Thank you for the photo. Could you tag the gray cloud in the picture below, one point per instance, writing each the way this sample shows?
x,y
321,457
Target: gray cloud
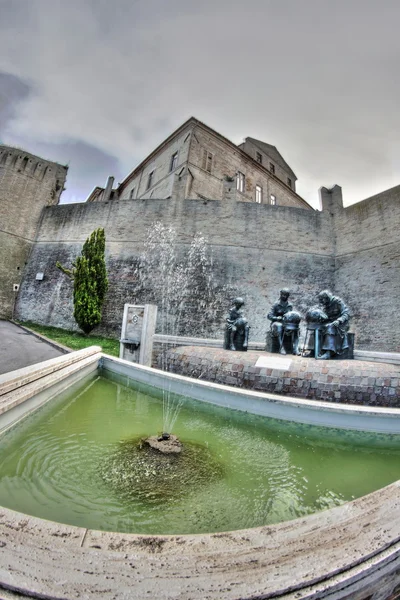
x,y
12,91
316,78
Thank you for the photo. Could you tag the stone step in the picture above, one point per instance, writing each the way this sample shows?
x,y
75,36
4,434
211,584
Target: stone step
x,y
391,358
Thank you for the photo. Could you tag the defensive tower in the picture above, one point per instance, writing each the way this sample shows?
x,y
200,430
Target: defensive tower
x,y
27,184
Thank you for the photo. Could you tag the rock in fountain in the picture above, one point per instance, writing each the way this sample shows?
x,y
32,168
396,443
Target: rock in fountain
x,y
167,443
156,470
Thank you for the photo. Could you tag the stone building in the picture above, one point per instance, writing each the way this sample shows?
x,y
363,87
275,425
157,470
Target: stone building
x,y
194,161
27,184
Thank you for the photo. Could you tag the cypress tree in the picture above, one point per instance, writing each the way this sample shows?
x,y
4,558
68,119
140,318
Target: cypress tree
x,y
90,281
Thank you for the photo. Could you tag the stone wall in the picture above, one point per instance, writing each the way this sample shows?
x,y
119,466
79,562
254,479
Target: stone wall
x,y
256,249
27,184
368,267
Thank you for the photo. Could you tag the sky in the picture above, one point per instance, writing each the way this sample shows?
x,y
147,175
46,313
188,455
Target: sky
x,y
98,85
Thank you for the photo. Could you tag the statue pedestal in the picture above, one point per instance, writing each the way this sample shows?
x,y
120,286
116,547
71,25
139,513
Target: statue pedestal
x,y
290,375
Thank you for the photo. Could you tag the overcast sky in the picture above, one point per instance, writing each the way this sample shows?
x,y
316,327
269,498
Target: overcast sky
x,y
98,84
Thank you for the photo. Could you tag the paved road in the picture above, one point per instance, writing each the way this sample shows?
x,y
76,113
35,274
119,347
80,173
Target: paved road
x,y
20,349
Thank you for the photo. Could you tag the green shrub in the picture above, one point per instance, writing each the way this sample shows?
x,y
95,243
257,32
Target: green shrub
x,y
90,281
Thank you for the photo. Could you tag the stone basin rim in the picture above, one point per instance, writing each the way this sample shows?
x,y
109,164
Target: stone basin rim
x,y
336,548
349,549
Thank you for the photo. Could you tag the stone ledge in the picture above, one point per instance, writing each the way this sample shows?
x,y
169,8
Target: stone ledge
x,y
176,341
21,377
392,358
29,389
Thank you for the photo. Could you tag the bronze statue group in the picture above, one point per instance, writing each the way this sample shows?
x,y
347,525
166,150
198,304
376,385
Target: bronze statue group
x,y
327,326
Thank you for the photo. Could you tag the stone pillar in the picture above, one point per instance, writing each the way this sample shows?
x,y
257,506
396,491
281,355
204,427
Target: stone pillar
x,y
107,191
331,199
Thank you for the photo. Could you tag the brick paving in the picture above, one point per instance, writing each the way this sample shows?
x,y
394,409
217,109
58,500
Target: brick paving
x,y
345,381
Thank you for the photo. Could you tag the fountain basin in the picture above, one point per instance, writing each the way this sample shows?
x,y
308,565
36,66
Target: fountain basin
x,y
347,552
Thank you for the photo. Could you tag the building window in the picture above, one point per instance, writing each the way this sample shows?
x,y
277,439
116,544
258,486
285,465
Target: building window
x,y
259,158
174,162
207,161
272,168
132,193
259,194
273,199
289,182
240,182
150,180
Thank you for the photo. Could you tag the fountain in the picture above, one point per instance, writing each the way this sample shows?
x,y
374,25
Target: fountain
x,y
352,549
180,283
238,550
184,289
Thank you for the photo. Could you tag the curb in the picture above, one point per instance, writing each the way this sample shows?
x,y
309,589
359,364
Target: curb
x,y
56,345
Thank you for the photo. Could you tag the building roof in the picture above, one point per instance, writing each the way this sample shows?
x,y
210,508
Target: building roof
x,y
273,153
94,194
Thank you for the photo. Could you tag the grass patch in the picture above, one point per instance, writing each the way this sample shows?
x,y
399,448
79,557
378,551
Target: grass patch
x,y
74,339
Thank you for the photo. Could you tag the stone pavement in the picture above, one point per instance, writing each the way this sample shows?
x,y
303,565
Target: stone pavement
x,y
347,381
18,348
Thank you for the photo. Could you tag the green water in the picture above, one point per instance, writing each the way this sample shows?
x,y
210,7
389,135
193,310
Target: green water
x,y
76,461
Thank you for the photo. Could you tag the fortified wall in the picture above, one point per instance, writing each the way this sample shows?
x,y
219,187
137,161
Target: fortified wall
x,y
27,184
367,267
256,248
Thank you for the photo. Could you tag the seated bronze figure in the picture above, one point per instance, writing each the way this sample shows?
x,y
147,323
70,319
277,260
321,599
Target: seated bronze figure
x,y
330,322
285,324
236,328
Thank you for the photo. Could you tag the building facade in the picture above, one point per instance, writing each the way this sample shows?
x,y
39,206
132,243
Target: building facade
x,y
194,161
